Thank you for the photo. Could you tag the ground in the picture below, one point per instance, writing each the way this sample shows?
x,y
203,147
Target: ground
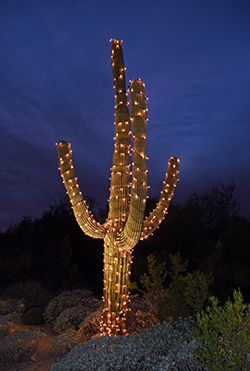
x,y
44,356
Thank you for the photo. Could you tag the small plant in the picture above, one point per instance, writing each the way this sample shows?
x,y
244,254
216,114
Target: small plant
x,y
62,327
186,294
176,303
197,290
19,345
223,335
69,339
71,317
189,292
152,306
31,293
68,299
133,320
90,326
153,282
154,309
12,307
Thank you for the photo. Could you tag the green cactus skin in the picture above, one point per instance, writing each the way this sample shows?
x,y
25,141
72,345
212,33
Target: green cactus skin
x,y
124,226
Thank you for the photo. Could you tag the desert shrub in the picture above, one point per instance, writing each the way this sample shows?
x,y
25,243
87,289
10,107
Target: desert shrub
x,y
185,295
66,341
5,327
11,307
90,326
19,346
70,337
162,347
32,293
70,317
188,292
154,280
154,309
197,291
68,299
223,335
136,304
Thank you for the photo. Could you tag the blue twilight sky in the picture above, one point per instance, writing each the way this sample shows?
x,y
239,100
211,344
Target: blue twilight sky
x,y
56,83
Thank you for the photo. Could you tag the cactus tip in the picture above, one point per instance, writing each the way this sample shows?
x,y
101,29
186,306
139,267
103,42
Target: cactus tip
x,y
63,142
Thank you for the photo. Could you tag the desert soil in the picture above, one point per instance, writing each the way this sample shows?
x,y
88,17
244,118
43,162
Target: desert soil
x,y
44,356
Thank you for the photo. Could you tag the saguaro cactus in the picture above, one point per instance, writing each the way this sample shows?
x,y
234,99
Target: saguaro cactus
x,y
124,226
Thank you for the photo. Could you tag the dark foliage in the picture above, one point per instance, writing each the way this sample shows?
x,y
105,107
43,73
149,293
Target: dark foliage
x,y
51,250
206,229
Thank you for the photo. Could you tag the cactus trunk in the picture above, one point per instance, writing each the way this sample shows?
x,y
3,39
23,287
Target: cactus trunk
x,y
124,226
117,266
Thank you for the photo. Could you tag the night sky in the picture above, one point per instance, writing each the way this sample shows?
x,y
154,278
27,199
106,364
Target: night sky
x,y
56,83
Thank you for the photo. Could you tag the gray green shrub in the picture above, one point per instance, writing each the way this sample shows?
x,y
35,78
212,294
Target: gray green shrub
x,y
71,317
223,335
68,299
90,326
66,341
162,347
19,346
31,293
70,337
12,307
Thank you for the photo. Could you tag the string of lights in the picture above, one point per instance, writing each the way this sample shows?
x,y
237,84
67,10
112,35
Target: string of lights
x,y
125,224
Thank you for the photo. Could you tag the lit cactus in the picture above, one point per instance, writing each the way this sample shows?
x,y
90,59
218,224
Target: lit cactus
x,y
124,226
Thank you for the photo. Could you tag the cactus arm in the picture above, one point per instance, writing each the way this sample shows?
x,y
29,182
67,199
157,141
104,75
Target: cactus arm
x,y
119,188
129,237
124,226
158,214
82,214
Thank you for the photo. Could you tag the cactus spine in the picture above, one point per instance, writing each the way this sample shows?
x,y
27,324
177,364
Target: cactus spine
x,y
124,226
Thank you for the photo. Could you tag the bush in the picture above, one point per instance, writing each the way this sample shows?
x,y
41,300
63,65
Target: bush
x,y
185,295
197,290
136,304
5,327
19,346
223,335
70,338
153,282
68,299
67,340
32,293
71,317
12,307
90,326
153,309
162,347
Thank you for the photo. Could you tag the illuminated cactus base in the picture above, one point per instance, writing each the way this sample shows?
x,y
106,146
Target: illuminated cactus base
x,y
117,267
125,224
